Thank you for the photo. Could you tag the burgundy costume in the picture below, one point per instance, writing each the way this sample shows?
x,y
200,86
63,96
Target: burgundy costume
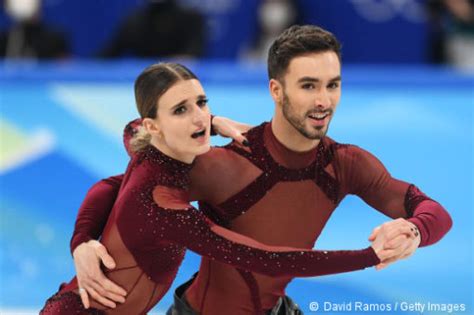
x,y
266,192
152,224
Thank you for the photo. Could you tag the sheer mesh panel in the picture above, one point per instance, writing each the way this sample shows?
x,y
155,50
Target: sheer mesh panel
x,y
290,209
277,197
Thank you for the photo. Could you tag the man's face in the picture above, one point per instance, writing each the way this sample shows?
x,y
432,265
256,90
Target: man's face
x,y
311,92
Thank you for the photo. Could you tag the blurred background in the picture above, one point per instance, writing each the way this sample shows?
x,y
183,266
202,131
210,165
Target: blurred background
x,y
66,92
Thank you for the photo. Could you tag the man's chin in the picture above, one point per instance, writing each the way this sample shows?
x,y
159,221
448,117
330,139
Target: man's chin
x,y
315,133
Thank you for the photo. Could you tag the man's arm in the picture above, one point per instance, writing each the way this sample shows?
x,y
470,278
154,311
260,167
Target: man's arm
x,y
91,219
95,210
89,253
418,219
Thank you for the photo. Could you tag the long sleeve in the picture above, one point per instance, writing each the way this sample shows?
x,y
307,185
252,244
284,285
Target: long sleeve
x,y
430,217
189,227
365,176
200,235
95,210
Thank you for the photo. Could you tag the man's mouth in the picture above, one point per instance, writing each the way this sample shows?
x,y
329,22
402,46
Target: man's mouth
x,y
319,116
199,133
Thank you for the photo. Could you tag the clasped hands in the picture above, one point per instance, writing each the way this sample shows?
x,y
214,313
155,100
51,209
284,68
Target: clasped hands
x,y
394,240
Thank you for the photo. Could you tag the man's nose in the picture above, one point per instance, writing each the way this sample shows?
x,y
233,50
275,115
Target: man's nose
x,y
322,100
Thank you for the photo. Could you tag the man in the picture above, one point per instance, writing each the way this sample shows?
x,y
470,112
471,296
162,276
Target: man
x,y
280,190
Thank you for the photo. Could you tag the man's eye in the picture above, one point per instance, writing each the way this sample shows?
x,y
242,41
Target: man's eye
x,y
308,86
333,85
202,102
180,110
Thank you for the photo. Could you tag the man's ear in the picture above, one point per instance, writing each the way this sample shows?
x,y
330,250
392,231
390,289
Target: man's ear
x,y
151,126
276,90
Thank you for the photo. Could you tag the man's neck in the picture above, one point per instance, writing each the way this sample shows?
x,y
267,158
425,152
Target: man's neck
x,y
291,138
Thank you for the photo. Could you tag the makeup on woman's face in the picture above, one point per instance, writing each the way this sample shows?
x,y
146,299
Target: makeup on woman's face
x,y
184,120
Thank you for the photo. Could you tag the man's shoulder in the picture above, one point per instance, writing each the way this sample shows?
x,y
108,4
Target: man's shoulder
x,y
339,146
346,151
353,155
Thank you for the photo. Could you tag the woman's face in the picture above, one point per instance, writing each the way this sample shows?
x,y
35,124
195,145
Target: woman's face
x,y
183,121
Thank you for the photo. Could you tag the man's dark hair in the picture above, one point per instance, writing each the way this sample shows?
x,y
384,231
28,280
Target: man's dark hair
x,y
296,41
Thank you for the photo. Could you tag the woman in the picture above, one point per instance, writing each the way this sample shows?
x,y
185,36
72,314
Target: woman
x,y
152,222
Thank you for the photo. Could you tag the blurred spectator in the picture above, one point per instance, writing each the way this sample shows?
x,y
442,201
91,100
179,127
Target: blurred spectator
x,y
273,17
162,28
29,37
452,32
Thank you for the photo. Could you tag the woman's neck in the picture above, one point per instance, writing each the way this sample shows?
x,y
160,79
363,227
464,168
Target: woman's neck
x,y
165,149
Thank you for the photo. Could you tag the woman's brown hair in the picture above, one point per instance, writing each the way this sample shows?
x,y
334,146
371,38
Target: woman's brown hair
x,y
150,85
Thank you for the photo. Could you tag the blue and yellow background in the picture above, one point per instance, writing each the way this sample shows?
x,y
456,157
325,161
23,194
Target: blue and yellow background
x,y
61,131
61,127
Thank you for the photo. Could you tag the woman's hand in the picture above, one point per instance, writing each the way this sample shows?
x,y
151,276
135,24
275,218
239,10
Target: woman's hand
x,y
230,129
394,240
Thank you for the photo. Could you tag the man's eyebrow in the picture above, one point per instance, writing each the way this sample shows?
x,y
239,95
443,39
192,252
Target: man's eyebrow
x,y
313,79
308,79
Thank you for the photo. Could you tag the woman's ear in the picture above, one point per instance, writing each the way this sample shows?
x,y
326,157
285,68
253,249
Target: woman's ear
x,y
151,126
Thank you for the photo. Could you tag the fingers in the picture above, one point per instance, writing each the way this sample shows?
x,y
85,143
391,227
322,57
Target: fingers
x,y
392,255
382,266
374,233
244,127
396,230
396,242
106,293
84,297
383,255
397,251
103,291
96,293
104,256
113,289
240,138
391,230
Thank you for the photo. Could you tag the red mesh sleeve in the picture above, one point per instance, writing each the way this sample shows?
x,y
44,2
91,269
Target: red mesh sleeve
x,y
95,210
98,203
365,176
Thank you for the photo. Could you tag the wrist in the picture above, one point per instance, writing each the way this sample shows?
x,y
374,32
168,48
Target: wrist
x,y
416,231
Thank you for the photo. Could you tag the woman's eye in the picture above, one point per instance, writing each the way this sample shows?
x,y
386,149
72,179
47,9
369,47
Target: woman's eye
x,y
308,86
202,102
179,110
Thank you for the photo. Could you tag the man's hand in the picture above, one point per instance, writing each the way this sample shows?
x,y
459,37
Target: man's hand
x,y
231,129
91,279
401,239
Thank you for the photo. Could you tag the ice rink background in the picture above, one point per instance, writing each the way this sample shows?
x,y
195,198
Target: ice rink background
x,y
60,131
